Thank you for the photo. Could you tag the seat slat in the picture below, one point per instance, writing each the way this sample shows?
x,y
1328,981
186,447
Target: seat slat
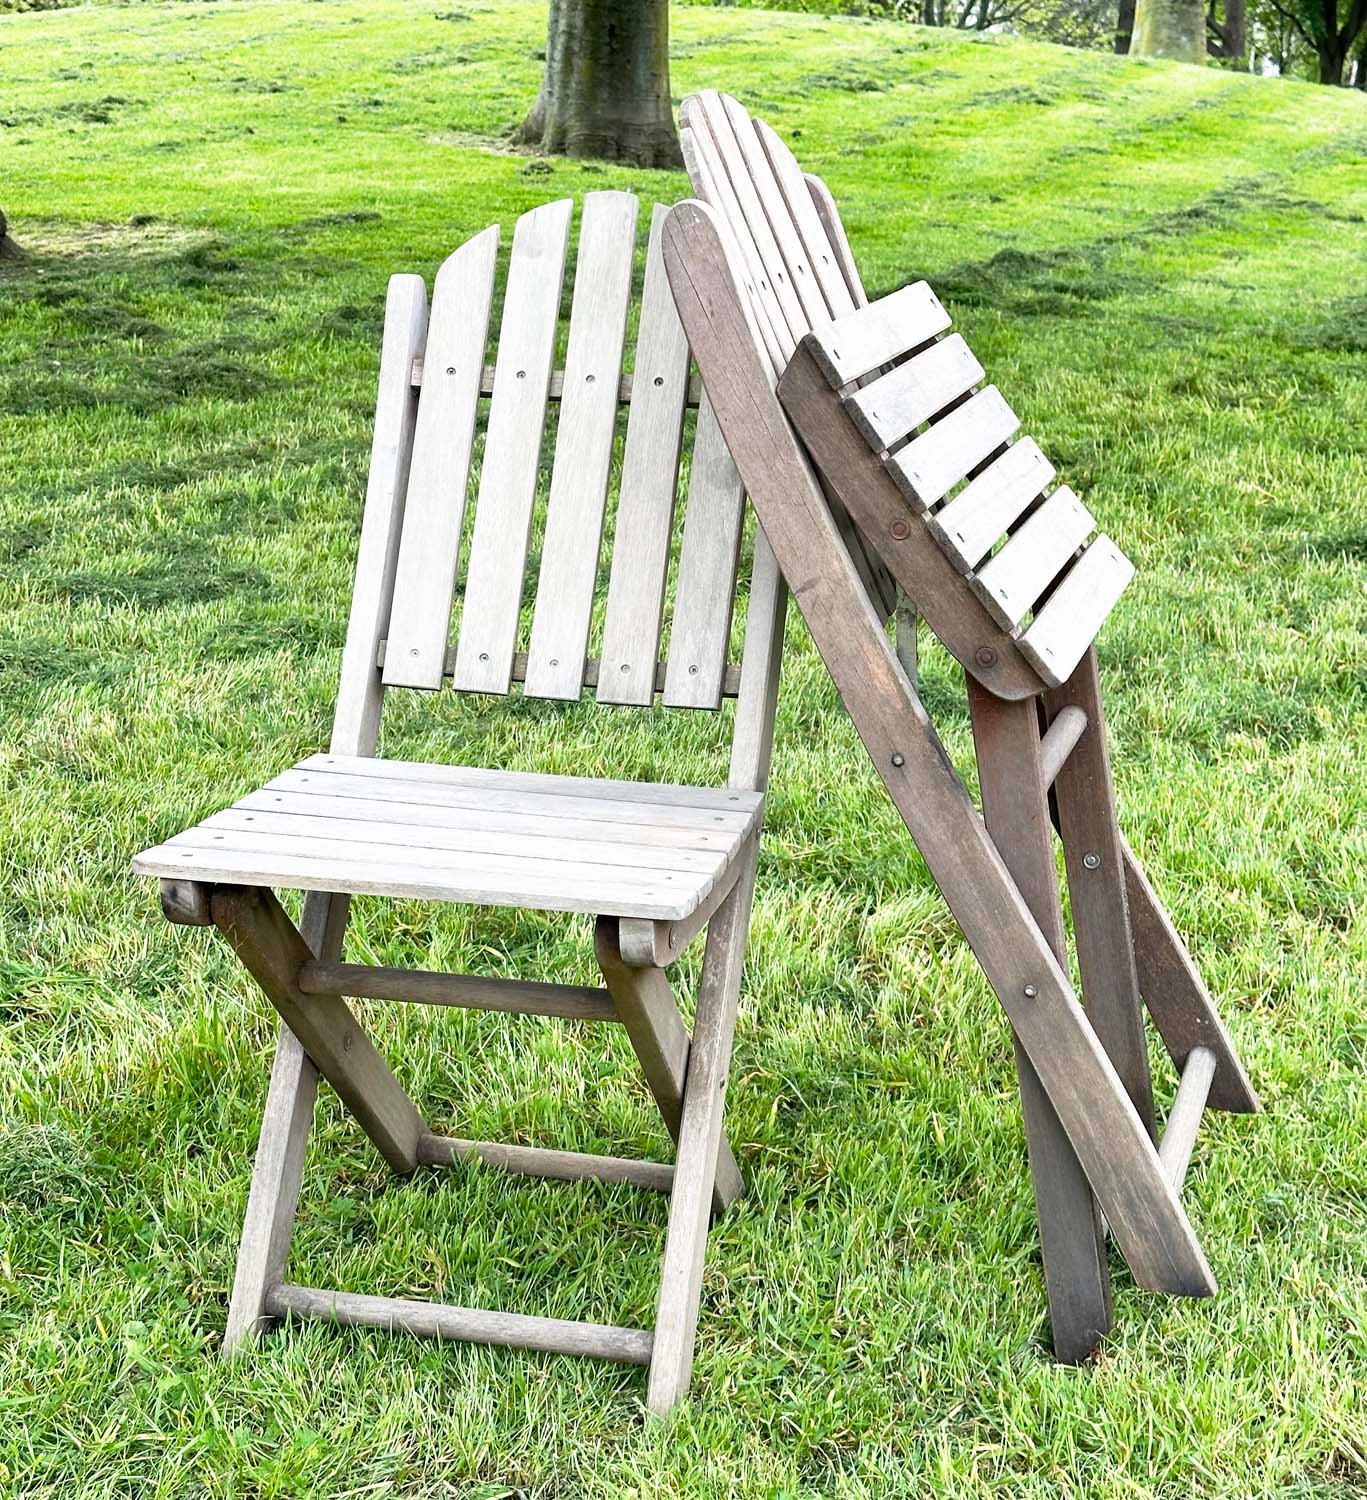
x,y
700,631
645,510
512,450
439,472
1061,632
818,239
581,788
849,347
1014,578
439,840
308,801
897,403
583,450
990,502
931,464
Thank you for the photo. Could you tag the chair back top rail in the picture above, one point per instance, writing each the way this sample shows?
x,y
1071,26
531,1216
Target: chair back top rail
x,y
651,621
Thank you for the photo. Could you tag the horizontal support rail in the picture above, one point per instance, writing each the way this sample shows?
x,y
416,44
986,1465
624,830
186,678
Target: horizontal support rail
x,y
522,997
536,1161
730,687
469,1325
557,388
1184,1118
1060,740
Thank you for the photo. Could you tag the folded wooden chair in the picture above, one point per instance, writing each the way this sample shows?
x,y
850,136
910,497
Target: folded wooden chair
x,y
836,412
655,864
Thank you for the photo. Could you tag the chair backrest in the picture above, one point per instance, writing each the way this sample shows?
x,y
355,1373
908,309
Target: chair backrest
x,y
439,394
791,246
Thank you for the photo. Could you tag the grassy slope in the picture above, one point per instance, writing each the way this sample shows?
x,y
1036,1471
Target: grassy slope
x,y
1163,268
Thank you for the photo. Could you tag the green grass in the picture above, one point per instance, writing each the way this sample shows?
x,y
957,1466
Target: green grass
x,y
1162,267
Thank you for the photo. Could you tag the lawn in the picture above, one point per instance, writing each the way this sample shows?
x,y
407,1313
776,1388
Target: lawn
x,y
1162,268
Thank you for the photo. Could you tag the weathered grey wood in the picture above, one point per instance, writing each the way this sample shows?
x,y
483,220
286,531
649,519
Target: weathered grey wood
x,y
1057,745
272,950
466,991
730,682
1015,808
645,511
831,227
969,525
903,543
1176,995
1013,579
479,821
1184,1118
360,693
1085,797
556,389
1063,630
645,1005
930,465
895,404
658,944
537,1161
583,448
700,631
512,449
1119,1159
469,1325
865,340
700,1170
443,443
788,238
186,903
816,230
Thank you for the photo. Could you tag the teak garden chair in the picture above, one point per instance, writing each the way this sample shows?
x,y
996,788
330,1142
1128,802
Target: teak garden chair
x,y
655,864
838,411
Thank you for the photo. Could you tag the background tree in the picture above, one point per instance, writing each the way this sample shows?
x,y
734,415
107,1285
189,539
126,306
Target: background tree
x,y
7,246
1329,30
1170,28
1227,30
605,91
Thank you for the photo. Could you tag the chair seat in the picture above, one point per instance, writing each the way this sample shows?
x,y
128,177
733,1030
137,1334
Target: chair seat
x,y
454,833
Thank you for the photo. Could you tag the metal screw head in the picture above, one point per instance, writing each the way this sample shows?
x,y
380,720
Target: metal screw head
x,y
898,759
1030,991
1092,861
900,530
985,656
450,369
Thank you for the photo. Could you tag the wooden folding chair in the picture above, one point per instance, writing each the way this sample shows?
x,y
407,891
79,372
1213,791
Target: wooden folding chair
x,y
655,864
919,471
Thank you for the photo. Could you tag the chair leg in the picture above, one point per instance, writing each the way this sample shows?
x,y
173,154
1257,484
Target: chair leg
x,y
1007,739
700,1140
646,1007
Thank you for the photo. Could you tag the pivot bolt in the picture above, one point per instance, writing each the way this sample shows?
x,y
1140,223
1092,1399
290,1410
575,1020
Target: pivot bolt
x,y
1092,861
985,656
900,530
898,759
1030,991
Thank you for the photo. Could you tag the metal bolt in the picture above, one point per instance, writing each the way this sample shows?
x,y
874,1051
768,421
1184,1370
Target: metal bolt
x,y
484,656
450,369
659,380
590,378
413,651
1030,992
898,759
693,670
1092,861
522,374
625,667
900,530
985,656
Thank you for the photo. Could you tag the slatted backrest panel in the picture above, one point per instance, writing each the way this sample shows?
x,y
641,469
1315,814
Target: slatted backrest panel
x,y
539,630
796,274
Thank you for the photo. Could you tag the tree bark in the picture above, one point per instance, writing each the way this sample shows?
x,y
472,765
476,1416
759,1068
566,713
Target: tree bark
x,y
605,91
8,249
1228,38
1124,26
1170,28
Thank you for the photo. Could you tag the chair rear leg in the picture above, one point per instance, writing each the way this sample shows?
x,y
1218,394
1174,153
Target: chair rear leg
x,y
700,1141
648,1012
1007,739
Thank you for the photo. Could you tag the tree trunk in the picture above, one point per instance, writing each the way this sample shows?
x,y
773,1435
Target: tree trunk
x,y
1170,28
1228,38
605,92
1124,26
8,248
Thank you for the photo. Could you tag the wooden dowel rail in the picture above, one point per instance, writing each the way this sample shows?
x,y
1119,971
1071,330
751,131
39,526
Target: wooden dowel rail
x,y
537,1161
1059,741
464,991
1184,1118
471,1325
